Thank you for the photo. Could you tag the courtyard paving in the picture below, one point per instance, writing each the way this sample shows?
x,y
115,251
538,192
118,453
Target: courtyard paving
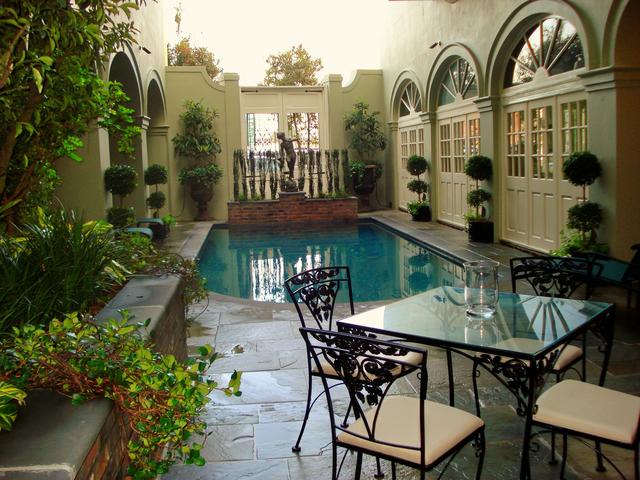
x,y
250,437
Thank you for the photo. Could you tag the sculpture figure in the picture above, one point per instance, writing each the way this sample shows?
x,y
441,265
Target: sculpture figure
x,y
286,148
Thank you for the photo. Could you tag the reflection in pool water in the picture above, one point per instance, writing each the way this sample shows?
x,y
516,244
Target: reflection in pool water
x,y
254,264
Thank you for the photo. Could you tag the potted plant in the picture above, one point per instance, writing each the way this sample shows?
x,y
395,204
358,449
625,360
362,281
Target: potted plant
x,y
200,145
366,137
478,167
120,180
582,169
155,175
420,210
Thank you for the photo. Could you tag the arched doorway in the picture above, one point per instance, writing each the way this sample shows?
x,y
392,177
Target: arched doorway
x,y
410,137
544,120
124,70
458,136
157,132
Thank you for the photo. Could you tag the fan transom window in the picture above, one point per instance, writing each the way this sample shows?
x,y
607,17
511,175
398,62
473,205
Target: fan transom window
x,y
459,83
410,101
551,46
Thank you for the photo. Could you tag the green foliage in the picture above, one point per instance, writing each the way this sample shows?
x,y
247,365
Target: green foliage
x,y
169,220
292,67
162,397
54,267
117,118
572,242
478,167
182,53
364,131
419,208
155,174
582,168
197,141
120,180
475,198
49,90
418,186
10,397
201,175
585,217
357,171
417,165
121,217
156,200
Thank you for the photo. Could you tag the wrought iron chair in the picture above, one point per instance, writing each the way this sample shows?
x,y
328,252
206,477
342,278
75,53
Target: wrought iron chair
x,y
591,412
557,277
407,430
317,289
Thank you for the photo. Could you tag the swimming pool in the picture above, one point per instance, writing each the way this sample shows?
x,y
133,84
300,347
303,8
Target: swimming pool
x,y
254,264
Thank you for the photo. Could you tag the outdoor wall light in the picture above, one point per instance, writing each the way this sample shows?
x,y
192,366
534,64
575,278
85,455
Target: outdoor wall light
x,y
436,44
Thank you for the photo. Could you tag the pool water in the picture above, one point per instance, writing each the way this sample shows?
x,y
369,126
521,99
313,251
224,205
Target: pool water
x,y
254,264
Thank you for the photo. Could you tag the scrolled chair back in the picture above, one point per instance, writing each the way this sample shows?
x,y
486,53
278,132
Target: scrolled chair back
x,y
552,276
318,289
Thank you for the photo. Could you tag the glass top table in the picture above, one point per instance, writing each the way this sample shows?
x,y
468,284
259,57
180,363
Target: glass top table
x,y
518,345
524,326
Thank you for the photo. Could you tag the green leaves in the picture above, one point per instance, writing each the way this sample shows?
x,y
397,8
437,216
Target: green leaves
x,y
162,397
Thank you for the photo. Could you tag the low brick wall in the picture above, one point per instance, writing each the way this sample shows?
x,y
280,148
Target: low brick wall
x,y
293,207
55,440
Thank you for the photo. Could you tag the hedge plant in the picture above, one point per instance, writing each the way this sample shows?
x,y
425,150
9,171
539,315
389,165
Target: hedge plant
x,y
478,168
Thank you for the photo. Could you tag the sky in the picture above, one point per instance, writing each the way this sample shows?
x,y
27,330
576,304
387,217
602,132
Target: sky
x,y
243,33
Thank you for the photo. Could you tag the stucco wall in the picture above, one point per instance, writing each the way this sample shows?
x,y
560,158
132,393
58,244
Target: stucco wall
x,y
486,32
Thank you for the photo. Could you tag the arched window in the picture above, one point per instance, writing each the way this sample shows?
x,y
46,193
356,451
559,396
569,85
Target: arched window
x,y
459,82
410,102
552,45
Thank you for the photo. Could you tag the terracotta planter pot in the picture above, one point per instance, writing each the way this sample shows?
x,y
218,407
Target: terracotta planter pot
x,y
201,194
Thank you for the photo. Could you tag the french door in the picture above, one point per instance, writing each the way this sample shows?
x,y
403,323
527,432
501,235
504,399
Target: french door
x,y
411,143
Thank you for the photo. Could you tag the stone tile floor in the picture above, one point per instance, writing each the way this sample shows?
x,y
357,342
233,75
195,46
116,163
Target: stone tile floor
x,y
251,436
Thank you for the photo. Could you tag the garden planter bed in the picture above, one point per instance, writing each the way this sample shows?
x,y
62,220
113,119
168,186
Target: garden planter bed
x,y
293,207
52,439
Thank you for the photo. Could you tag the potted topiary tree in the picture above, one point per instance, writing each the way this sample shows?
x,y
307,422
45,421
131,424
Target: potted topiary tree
x,y
120,180
420,210
478,167
366,137
582,169
155,175
199,144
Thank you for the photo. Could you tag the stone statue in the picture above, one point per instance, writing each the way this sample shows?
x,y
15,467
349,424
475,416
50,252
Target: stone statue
x,y
286,148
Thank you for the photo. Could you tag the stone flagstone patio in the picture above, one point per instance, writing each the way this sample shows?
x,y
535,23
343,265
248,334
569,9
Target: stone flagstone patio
x,y
251,436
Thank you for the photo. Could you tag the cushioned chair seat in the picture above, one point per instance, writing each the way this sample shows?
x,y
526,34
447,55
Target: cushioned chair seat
x,y
445,427
590,409
411,358
569,355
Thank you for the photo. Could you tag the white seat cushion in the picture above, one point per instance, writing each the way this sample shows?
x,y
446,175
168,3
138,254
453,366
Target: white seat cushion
x,y
412,358
399,422
569,355
590,409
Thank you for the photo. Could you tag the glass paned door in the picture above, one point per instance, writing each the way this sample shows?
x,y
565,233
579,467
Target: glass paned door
x,y
411,143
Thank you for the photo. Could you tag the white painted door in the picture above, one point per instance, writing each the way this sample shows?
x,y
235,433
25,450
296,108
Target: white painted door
x,y
411,143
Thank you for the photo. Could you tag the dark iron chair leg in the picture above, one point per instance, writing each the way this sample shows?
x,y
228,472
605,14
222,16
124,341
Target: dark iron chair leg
x,y
358,466
564,455
553,460
296,447
452,400
600,467
393,470
379,473
481,448
474,376
344,423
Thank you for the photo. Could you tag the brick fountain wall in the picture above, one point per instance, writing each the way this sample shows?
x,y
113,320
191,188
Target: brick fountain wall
x,y
293,207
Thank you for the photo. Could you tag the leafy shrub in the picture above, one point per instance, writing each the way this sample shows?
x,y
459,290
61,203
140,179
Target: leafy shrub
x,y
418,209
585,217
208,174
357,169
364,130
162,398
417,165
55,267
169,220
478,168
418,186
10,397
571,242
155,174
121,217
156,200
120,180
582,168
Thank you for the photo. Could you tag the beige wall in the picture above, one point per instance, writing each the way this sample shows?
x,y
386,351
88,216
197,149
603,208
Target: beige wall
x,y
484,33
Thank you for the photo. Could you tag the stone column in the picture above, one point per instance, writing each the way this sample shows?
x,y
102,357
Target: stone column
x,y
613,103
